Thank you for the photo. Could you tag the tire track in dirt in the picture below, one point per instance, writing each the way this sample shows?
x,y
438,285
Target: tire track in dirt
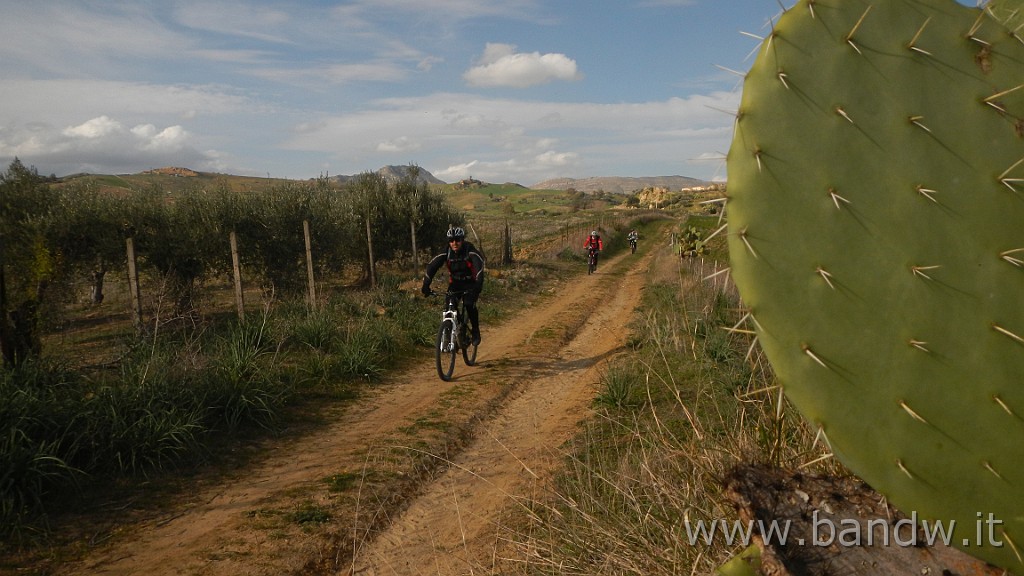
x,y
449,528
454,526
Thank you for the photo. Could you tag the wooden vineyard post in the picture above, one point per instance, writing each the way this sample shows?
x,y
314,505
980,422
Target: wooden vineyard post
x,y
369,249
415,255
309,262
133,284
236,270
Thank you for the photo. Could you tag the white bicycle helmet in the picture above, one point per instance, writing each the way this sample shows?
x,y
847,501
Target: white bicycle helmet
x,y
456,233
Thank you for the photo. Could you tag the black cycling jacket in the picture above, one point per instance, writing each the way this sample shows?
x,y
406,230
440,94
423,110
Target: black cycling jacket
x,y
465,267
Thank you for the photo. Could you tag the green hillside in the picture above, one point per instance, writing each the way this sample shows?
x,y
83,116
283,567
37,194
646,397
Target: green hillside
x,y
507,199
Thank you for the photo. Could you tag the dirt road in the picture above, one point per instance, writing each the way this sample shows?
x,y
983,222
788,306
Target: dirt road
x,y
534,382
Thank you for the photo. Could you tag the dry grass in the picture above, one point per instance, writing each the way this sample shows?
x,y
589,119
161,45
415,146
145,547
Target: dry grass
x,y
694,399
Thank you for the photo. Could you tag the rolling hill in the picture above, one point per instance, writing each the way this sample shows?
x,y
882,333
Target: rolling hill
x,y
176,178
619,185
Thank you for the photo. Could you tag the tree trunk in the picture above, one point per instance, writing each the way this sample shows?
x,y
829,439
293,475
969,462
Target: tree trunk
x,y
97,285
6,333
506,246
25,324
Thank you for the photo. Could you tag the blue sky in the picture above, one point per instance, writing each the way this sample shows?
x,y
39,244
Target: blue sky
x,y
503,91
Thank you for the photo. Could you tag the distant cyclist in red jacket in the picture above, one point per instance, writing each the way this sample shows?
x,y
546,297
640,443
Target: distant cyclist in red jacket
x,y
595,244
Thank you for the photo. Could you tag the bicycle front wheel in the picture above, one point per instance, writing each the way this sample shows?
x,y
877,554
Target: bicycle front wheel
x,y
444,350
468,348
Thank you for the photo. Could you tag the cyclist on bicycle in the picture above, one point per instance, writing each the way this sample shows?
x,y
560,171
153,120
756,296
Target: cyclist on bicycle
x,y
465,274
632,237
595,245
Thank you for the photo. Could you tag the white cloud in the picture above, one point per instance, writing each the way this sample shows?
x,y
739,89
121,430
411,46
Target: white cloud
x,y
710,157
554,159
172,138
144,130
103,144
495,52
400,144
456,172
93,129
501,65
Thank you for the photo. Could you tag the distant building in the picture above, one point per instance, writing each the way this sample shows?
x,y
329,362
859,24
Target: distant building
x,y
468,183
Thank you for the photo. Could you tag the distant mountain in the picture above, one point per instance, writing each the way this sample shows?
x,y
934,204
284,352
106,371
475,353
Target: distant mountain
x,y
618,184
395,173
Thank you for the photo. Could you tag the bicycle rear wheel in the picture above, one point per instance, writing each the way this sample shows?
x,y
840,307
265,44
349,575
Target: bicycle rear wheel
x,y
444,351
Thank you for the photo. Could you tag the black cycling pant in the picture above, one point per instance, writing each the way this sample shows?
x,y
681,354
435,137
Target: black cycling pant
x,y
472,311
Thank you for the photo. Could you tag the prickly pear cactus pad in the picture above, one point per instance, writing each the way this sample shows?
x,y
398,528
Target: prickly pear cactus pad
x,y
876,232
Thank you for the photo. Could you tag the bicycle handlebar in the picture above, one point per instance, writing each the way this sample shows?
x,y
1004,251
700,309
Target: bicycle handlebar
x,y
455,293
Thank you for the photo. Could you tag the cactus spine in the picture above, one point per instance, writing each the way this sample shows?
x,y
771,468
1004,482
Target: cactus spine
x,y
1010,13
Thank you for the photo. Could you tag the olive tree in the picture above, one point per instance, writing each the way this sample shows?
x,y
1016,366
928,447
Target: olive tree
x,y
28,262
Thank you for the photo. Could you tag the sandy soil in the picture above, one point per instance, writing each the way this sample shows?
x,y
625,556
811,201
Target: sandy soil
x,y
534,382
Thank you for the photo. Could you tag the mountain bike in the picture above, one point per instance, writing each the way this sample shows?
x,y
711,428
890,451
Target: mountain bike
x,y
592,260
453,336
632,245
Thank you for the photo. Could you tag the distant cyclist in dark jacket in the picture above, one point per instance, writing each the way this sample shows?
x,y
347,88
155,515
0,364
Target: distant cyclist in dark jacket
x,y
465,273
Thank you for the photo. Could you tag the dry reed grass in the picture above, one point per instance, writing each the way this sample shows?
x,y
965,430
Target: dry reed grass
x,y
694,399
